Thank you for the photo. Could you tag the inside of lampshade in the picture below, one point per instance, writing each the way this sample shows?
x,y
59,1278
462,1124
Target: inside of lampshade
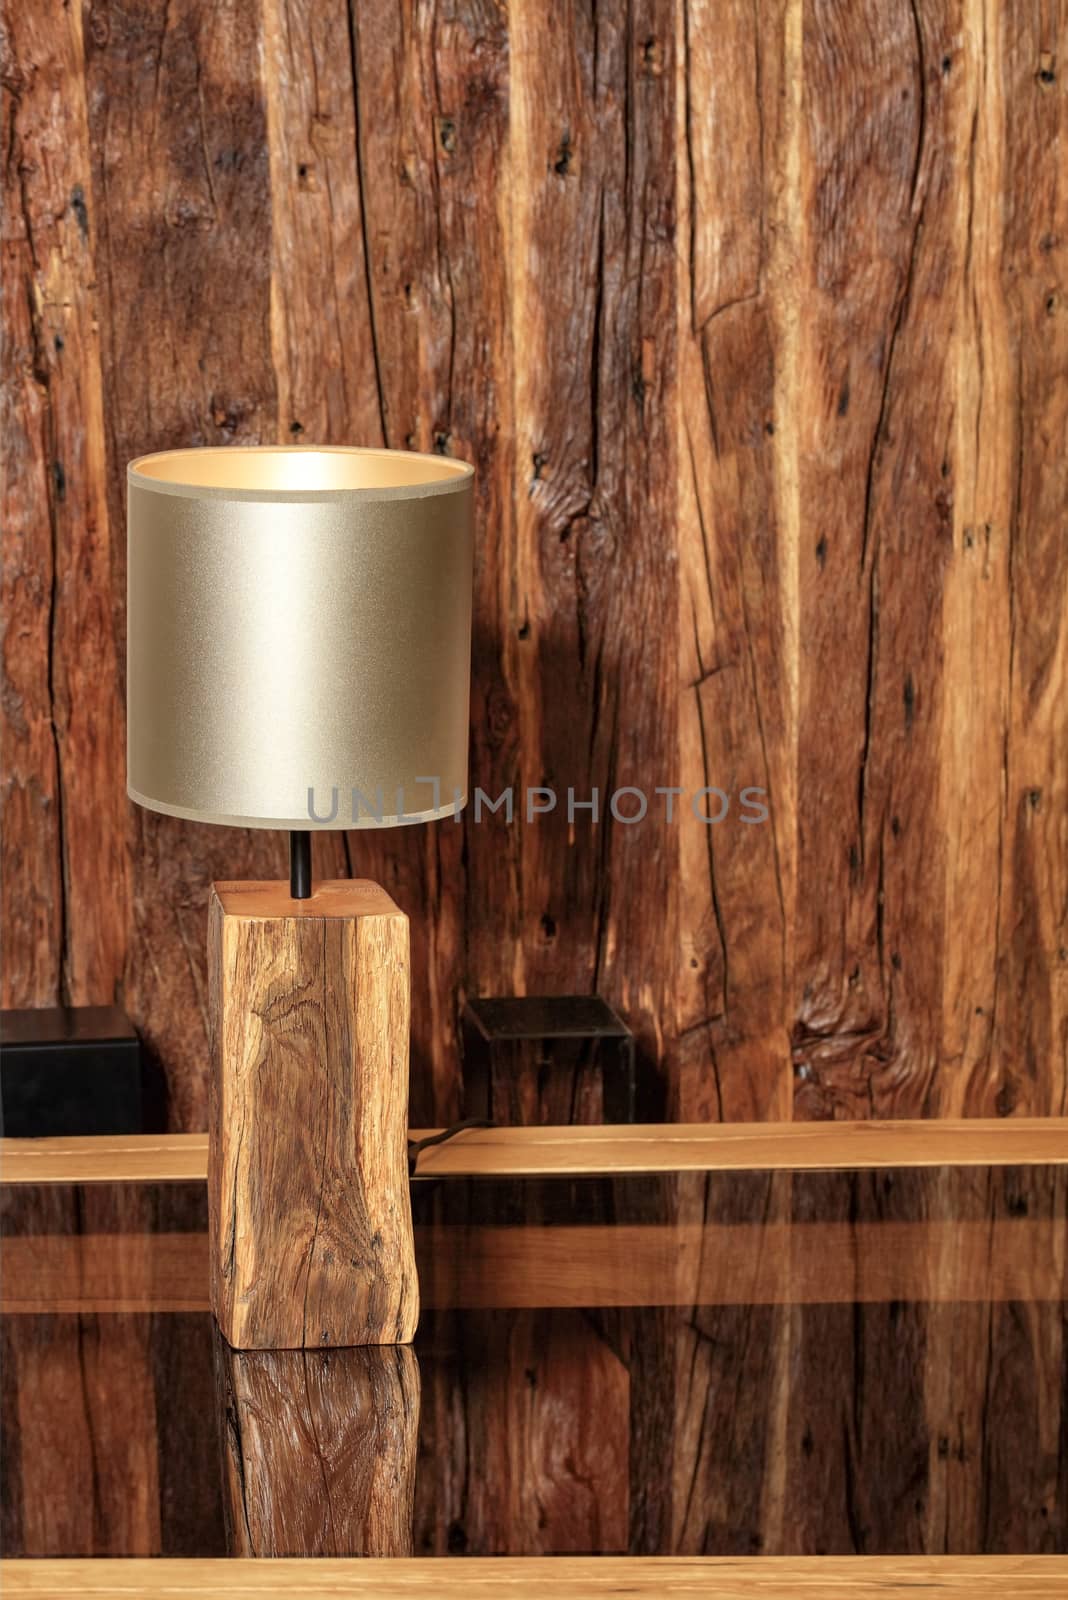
x,y
271,470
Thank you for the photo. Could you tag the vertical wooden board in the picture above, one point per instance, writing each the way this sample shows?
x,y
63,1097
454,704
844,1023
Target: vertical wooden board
x,y
882,258
592,223
723,154
635,562
977,600
431,87
469,413
646,1338
322,342
860,115
569,1441
1031,997
87,1465
737,557
85,671
643,1337
63,710
321,345
31,839
565,246
441,1464
398,132
322,336
1024,1501
182,237
27,1344
739,720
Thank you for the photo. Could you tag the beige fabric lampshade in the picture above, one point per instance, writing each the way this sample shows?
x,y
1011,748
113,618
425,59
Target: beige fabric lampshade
x,y
299,632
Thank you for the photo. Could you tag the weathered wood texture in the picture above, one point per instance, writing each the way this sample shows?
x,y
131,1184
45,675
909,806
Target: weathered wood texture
x,y
311,1223
754,321
318,1450
873,559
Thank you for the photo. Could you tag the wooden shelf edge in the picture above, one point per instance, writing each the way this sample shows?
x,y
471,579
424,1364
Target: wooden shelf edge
x,y
588,1151
577,1578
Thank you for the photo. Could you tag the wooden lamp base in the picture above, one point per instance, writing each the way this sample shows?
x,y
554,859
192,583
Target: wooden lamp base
x,y
309,1210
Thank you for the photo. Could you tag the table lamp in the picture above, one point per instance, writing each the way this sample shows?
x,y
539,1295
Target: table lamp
x,y
299,640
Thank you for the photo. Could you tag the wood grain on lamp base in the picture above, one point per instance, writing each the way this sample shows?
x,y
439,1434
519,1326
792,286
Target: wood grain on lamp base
x,y
310,1218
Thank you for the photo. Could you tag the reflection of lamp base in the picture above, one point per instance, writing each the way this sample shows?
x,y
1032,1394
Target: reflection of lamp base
x,y
309,1210
319,1450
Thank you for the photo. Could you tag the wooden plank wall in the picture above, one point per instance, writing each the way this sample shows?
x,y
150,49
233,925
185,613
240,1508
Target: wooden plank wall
x,y
754,321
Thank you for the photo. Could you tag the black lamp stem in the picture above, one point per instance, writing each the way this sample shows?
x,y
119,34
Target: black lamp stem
x,y
300,864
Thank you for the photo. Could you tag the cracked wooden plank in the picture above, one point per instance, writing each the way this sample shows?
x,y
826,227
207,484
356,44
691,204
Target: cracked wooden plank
x,y
736,559
65,739
881,265
179,170
31,840
592,213
1029,1067
432,135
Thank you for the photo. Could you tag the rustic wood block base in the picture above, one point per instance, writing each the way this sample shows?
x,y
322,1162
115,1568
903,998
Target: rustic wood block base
x,y
309,1210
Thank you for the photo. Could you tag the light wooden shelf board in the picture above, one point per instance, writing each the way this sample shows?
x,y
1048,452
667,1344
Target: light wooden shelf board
x,y
578,1151
549,1578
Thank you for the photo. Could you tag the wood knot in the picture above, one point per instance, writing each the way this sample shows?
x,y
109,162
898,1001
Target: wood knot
x,y
652,59
80,209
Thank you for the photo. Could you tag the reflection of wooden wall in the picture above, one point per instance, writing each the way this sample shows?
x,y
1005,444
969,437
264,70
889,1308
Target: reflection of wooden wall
x,y
879,1368
318,1449
754,321
109,1421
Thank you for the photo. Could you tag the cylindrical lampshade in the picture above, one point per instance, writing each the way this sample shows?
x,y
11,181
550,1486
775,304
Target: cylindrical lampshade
x,y
299,636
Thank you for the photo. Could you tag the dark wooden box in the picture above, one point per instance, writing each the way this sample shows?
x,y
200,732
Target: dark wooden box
x,y
547,1060
66,1071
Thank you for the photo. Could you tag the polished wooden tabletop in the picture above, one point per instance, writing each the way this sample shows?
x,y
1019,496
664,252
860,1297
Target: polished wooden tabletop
x,y
661,1364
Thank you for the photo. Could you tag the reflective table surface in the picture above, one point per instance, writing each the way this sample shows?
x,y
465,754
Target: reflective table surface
x,y
726,1363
